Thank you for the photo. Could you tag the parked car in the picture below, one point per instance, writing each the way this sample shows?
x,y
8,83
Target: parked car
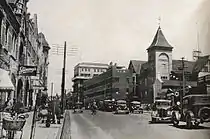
x,y
195,110
161,110
121,107
78,107
135,106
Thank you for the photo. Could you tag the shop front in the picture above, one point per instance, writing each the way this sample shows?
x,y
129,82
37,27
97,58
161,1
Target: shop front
x,y
6,89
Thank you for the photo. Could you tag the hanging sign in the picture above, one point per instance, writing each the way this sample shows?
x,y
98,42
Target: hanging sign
x,y
28,70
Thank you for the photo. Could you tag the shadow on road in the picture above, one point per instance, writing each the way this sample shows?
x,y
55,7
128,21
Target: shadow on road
x,y
160,122
193,128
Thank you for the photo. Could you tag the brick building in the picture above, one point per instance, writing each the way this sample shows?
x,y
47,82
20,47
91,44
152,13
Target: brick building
x,y
112,84
18,52
161,72
84,71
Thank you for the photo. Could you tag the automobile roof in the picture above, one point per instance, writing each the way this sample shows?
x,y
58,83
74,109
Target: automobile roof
x,y
136,102
162,100
196,95
121,101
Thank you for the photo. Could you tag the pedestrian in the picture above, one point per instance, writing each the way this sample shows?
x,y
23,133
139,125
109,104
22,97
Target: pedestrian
x,y
57,110
8,105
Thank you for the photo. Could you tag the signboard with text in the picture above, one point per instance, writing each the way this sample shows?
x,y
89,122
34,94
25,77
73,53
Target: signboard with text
x,y
28,70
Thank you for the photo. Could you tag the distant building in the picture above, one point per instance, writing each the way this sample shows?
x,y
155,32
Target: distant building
x,y
202,66
112,84
84,71
135,68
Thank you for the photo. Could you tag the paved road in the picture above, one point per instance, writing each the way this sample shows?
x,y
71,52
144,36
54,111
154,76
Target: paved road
x,y
105,125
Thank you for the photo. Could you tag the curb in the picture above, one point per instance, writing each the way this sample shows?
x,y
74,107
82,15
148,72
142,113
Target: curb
x,y
65,130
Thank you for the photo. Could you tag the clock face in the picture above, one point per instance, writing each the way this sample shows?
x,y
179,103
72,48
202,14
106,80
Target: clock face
x,y
163,64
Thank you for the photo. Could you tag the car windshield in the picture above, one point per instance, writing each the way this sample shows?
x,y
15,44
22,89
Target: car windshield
x,y
202,99
163,104
121,103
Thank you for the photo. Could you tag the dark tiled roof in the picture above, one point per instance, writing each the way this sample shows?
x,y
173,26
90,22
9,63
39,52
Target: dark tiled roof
x,y
200,63
177,64
136,65
160,40
43,40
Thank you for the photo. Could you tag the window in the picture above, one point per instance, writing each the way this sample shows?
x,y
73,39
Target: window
x,y
9,40
3,33
145,82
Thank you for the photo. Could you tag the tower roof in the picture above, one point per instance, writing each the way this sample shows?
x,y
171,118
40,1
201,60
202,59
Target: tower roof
x,y
159,40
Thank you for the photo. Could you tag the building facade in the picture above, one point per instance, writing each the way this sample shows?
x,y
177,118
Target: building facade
x,y
135,68
18,50
112,84
161,72
83,72
202,67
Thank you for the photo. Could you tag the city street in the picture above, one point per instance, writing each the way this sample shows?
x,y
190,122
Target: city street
x,y
105,125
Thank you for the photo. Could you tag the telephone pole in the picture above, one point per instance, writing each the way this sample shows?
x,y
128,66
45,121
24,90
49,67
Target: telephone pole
x,y
63,80
51,91
183,82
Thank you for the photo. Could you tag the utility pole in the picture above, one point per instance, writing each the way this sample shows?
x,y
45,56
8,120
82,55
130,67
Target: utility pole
x,y
51,91
183,82
63,80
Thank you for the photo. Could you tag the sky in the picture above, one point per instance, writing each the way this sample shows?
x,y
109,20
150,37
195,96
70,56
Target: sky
x,y
117,30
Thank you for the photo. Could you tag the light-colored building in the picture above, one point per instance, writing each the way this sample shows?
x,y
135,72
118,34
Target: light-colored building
x,y
84,71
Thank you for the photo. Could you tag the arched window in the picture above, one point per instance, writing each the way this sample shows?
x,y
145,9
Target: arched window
x,y
163,65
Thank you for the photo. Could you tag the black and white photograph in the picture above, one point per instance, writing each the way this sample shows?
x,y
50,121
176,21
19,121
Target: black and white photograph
x,y
104,69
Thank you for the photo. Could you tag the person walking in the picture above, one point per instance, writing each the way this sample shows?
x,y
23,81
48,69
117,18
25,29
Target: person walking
x,y
57,110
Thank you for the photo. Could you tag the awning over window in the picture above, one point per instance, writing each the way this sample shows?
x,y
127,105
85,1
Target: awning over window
x,y
5,81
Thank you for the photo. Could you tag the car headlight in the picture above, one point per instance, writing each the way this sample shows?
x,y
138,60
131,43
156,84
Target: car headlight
x,y
155,113
168,112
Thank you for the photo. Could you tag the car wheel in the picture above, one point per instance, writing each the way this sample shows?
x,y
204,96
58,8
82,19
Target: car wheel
x,y
188,121
196,124
174,120
153,120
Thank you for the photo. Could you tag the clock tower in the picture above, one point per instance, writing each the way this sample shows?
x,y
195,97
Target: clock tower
x,y
160,56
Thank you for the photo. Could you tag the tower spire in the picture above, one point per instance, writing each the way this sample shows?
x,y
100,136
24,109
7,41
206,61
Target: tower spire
x,y
159,21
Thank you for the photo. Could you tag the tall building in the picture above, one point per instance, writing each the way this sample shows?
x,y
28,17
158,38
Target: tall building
x,y
18,52
112,84
84,71
155,75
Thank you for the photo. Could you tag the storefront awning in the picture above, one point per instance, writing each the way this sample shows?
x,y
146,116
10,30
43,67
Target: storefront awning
x,y
5,81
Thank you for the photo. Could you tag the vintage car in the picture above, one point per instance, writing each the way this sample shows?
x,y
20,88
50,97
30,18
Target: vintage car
x,y
121,107
78,107
135,106
108,105
195,110
161,110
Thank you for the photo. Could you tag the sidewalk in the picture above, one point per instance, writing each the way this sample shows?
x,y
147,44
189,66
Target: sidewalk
x,y
41,132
